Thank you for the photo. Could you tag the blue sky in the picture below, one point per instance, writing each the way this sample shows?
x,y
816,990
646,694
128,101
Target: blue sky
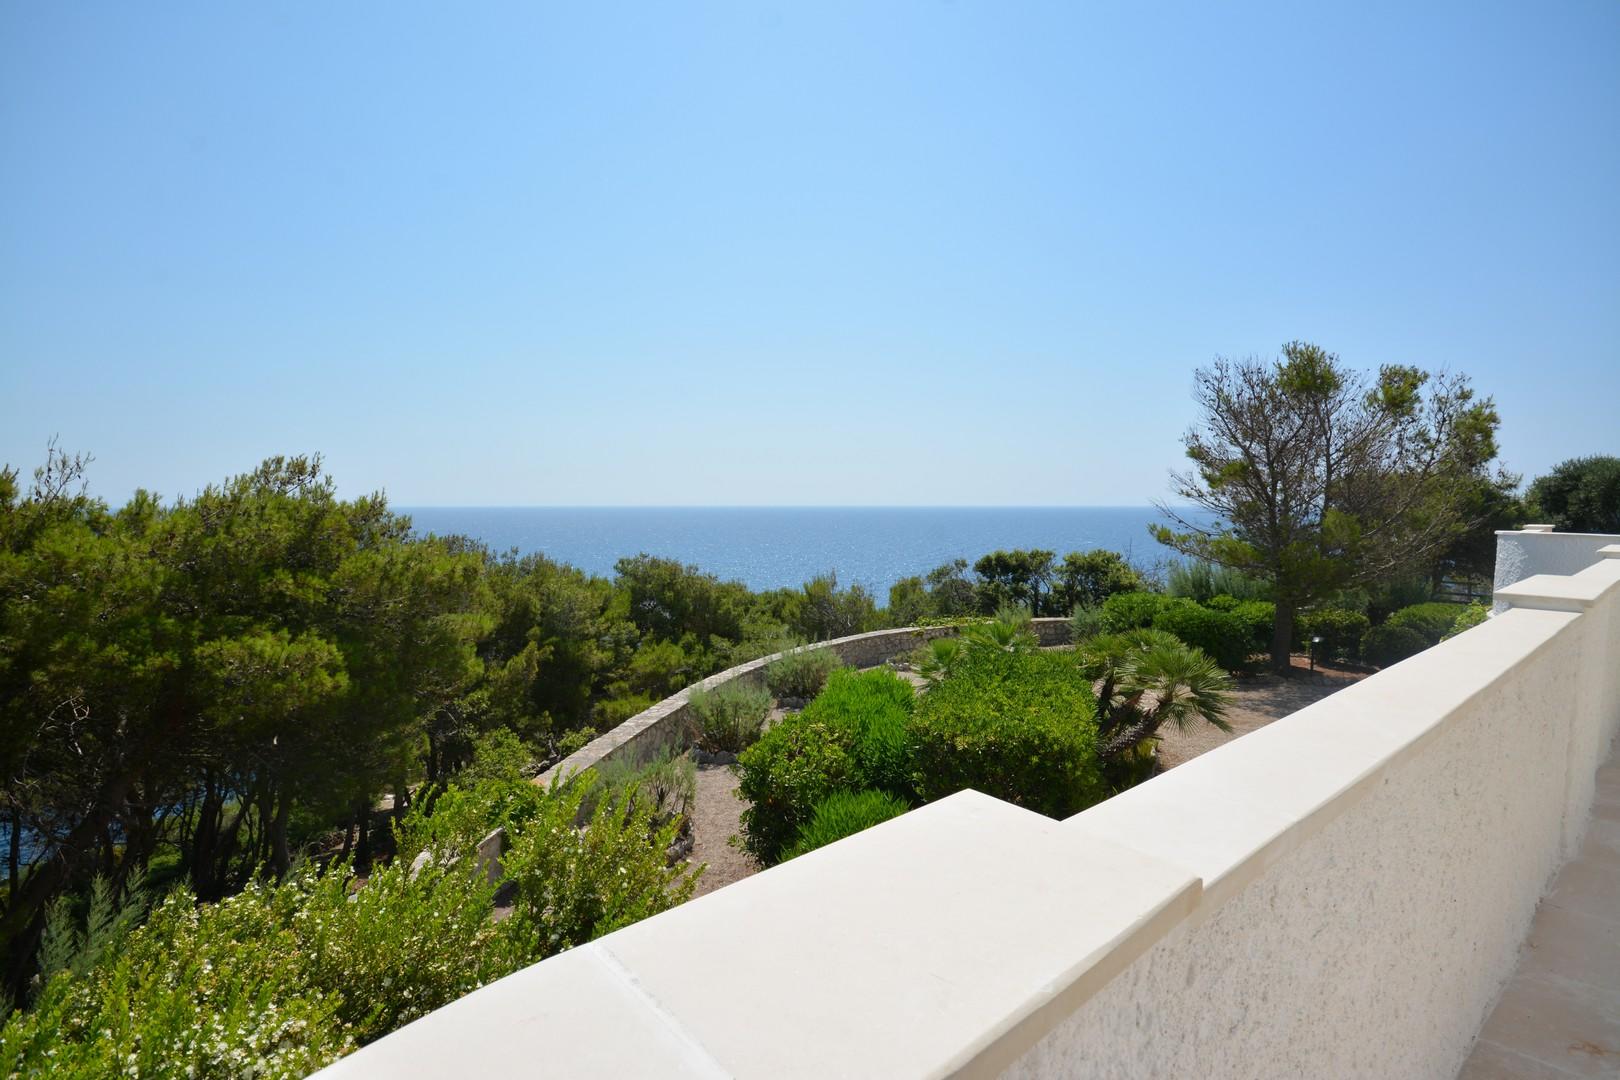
x,y
943,253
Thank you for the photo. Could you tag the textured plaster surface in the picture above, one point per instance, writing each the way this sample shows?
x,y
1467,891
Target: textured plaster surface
x,y
1524,554
1377,945
1560,1015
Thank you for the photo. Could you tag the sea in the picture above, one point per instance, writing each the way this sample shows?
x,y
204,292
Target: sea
x,y
774,547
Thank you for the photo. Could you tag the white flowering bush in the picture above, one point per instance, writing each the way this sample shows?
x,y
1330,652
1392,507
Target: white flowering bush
x,y
282,979
575,884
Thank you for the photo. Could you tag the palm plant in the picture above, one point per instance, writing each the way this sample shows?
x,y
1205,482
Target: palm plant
x,y
1146,679
939,658
1009,631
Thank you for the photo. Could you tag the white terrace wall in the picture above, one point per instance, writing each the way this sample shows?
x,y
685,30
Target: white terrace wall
x,y
1342,893
1536,549
664,725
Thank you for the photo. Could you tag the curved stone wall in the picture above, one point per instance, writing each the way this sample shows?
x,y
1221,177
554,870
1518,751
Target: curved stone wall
x,y
663,726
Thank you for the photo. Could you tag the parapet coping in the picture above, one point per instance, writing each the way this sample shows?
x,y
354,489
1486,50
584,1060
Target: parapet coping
x,y
1559,592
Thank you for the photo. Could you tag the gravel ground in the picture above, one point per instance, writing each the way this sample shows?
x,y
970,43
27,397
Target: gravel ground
x,y
1257,700
716,812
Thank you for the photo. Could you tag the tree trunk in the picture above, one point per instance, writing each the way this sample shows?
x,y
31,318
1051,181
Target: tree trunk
x,y
362,843
1282,637
280,858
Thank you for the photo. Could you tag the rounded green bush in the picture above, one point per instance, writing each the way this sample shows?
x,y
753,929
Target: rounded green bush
x,y
1434,620
1018,726
872,710
1340,629
1389,644
1221,634
792,767
845,814
1134,610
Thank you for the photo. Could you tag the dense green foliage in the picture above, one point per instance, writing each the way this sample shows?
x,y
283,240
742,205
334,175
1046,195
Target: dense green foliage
x,y
1133,610
792,767
1226,637
1434,621
1385,645
1471,616
729,717
1020,726
872,708
1340,631
246,674
1579,495
842,814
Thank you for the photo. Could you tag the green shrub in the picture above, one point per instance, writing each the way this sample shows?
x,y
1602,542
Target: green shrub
x,y
871,709
1471,616
844,814
1018,726
1388,597
1223,602
1389,644
793,766
1085,624
1341,631
1133,610
1202,581
1434,620
1260,618
730,716
574,885
801,673
663,785
939,657
1224,636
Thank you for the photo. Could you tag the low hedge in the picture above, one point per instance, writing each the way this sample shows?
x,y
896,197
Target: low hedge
x,y
1018,726
1434,620
1224,635
1134,610
1340,629
1389,644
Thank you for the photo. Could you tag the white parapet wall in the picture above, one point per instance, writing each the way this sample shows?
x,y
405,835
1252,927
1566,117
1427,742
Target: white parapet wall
x,y
1537,549
1340,894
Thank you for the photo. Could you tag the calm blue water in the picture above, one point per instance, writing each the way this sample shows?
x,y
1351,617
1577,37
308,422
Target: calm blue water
x,y
771,547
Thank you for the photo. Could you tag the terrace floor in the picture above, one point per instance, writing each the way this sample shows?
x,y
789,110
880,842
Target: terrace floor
x,y
1560,1014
